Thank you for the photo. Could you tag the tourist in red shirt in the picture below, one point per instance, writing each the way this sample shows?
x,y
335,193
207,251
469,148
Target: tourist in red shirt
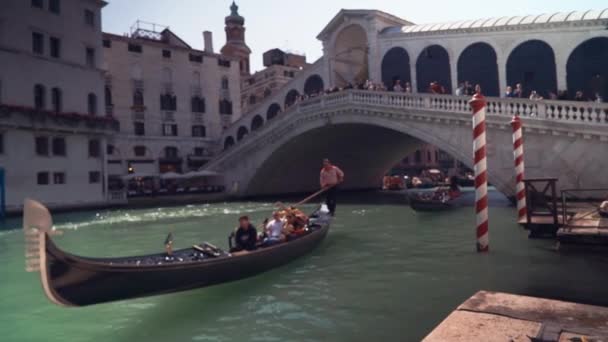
x,y
330,177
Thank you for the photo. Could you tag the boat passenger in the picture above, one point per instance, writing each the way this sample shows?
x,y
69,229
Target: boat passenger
x,y
274,230
295,225
246,236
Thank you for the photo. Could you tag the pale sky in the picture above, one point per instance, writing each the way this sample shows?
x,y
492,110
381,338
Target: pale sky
x,y
293,25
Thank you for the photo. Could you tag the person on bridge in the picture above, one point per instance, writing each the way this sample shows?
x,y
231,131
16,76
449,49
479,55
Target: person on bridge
x,y
331,176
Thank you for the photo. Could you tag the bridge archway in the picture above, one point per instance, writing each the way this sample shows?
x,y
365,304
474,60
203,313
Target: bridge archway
x,y
228,142
291,97
396,66
257,123
587,68
350,60
477,65
532,63
241,133
273,111
433,65
313,85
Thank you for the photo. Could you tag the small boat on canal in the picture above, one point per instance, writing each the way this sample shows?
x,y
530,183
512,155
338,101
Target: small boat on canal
x,y
419,202
71,280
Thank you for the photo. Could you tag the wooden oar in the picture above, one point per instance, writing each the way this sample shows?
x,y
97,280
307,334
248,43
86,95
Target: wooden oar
x,y
313,195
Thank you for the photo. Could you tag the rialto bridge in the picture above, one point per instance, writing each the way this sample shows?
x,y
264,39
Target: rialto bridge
x,y
277,147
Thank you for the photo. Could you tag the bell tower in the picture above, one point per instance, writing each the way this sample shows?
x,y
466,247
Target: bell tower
x,y
235,39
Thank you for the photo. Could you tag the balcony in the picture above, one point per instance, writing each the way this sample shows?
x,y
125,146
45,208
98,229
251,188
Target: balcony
x,y
138,108
109,110
138,116
168,117
28,117
197,117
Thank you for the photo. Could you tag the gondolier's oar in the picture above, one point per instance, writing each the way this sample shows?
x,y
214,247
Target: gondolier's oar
x,y
313,195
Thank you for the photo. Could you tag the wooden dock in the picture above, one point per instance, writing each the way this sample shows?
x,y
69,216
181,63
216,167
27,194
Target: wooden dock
x,y
493,316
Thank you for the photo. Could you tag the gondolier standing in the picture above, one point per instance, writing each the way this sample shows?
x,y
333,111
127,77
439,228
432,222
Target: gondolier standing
x,y
331,177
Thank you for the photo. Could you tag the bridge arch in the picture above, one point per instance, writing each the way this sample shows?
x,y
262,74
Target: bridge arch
x,y
587,68
477,64
396,66
241,133
228,142
273,110
433,65
313,85
532,63
291,97
257,122
350,60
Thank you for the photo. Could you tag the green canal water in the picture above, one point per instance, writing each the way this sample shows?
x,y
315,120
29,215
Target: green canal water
x,y
383,273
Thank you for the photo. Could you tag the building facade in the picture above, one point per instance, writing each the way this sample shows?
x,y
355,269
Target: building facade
x,y
53,130
172,101
280,68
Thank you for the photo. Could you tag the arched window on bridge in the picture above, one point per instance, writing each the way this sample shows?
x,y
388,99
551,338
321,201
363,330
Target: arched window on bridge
x,y
587,69
241,133
477,65
273,111
291,97
396,66
433,65
228,143
532,64
313,85
257,123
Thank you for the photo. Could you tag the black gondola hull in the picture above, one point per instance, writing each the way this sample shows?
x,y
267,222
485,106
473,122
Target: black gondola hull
x,y
79,281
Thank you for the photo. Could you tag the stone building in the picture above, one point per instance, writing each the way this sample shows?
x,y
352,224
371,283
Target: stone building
x,y
172,100
53,129
235,40
280,68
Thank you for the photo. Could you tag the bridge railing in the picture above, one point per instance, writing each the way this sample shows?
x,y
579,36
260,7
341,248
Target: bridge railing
x,y
549,110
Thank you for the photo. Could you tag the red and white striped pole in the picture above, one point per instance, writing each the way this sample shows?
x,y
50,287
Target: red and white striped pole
x,y
518,156
478,103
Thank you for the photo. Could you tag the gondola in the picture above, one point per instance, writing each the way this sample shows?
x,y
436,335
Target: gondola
x,y
70,280
419,203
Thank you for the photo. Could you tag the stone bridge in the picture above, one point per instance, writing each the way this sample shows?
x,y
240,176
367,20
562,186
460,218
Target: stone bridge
x,y
367,132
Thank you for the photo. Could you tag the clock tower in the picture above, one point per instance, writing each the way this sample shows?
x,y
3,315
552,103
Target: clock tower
x,y
235,40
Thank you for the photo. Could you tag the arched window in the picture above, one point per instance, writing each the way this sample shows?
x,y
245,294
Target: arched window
x,y
532,64
433,70
139,151
92,104
291,97
241,133
39,96
273,111
587,70
396,67
257,123
225,84
56,100
477,65
228,143
313,85
138,98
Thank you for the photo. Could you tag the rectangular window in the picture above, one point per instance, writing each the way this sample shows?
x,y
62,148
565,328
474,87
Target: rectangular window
x,y
37,3
107,43
42,146
37,43
135,48
94,148
110,150
89,17
199,151
42,178
94,177
90,55
196,58
198,105
1,143
55,6
140,151
59,146
55,46
58,178
166,53
198,131
170,130
224,63
140,128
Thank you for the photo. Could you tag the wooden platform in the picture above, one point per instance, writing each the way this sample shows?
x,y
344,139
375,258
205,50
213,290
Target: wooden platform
x,y
493,316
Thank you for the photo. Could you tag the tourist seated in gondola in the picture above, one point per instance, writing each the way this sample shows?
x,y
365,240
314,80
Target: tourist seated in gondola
x,y
295,225
245,237
274,230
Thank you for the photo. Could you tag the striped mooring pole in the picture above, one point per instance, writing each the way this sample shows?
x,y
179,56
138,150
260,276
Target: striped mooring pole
x,y
478,103
518,156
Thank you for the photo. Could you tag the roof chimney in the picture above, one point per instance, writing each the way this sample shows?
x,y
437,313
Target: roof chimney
x,y
208,38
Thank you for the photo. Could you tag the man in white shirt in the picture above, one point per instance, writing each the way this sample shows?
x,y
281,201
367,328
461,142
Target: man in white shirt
x,y
274,230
